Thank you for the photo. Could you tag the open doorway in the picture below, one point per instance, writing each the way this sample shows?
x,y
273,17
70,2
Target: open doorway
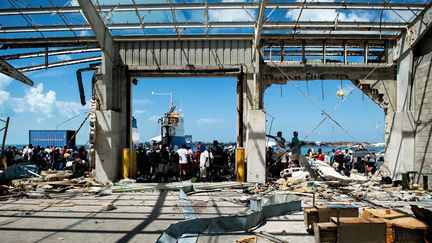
x,y
327,114
170,112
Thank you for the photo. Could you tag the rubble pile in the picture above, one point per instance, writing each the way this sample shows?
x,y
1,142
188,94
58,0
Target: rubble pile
x,y
53,181
326,183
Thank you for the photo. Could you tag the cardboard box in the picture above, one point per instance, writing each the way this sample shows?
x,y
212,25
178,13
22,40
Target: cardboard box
x,y
401,227
326,211
310,217
360,230
325,232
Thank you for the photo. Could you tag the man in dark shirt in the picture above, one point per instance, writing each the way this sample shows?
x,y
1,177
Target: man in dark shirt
x,y
219,160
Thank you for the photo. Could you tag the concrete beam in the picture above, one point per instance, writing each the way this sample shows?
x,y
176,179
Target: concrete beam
x,y
318,71
12,72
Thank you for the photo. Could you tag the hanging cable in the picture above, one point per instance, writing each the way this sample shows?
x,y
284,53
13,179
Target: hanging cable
x,y
28,20
314,103
331,112
63,18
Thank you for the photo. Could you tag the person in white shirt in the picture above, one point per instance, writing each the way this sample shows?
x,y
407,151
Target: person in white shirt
x,y
204,162
183,161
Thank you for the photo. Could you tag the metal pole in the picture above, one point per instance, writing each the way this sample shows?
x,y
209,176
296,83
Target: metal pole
x,y
4,141
5,134
240,110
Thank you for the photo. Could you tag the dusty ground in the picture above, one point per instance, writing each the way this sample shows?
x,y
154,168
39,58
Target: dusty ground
x,y
141,217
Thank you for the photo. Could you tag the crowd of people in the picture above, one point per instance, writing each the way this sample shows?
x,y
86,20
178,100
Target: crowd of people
x,y
344,161
281,155
50,157
163,163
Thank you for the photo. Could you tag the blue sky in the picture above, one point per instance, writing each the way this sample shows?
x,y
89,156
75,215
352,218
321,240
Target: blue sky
x,y
209,104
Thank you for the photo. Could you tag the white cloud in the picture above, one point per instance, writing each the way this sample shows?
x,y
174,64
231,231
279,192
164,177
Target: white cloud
x,y
209,120
4,80
46,104
72,3
36,101
64,57
326,14
230,14
4,96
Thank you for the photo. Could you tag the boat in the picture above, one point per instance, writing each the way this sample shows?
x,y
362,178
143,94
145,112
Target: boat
x,y
172,128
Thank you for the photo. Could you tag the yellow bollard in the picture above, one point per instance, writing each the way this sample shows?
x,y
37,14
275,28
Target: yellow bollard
x,y
126,164
240,164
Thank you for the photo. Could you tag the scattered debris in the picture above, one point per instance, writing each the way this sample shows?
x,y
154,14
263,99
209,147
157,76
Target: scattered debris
x,y
275,206
108,207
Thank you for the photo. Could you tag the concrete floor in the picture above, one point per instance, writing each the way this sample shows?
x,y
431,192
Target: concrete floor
x,y
139,217
142,217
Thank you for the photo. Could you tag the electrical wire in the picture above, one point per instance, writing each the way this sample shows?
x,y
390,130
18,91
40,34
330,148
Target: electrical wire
x,y
63,18
28,20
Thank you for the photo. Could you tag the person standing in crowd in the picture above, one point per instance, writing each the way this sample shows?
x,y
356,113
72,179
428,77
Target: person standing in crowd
x,y
295,148
143,164
204,162
218,162
332,156
320,155
197,157
280,146
154,161
164,160
183,161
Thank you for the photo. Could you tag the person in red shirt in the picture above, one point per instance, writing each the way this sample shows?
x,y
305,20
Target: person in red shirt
x,y
320,155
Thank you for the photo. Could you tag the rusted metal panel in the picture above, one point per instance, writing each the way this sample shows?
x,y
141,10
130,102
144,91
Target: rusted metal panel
x,y
129,49
185,52
142,53
164,52
135,53
227,52
171,53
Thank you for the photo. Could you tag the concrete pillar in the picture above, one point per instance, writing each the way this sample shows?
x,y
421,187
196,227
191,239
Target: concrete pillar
x,y
401,123
254,128
112,89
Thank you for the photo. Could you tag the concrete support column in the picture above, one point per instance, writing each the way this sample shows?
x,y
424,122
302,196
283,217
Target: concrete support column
x,y
400,125
254,129
112,89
